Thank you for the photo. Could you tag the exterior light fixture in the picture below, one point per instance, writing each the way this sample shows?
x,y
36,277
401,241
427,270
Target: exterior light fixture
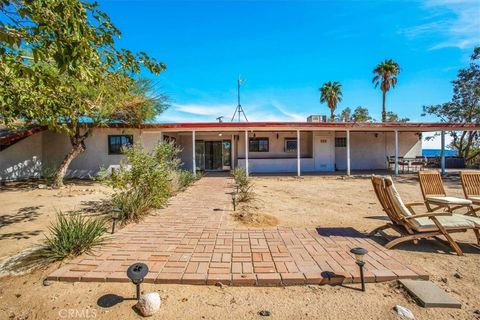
x,y
359,260
136,273
220,134
234,201
115,217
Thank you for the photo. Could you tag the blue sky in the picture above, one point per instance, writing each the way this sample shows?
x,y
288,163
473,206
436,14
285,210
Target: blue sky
x,y
287,49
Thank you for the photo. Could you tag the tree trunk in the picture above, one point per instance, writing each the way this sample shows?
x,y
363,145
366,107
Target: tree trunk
x,y
384,111
332,114
78,146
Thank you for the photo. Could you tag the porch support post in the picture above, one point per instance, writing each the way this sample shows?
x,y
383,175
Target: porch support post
x,y
194,165
396,152
298,153
348,152
232,150
442,152
161,136
246,152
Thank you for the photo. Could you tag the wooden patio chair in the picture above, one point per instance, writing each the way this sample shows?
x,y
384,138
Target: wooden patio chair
x,y
471,189
412,226
434,193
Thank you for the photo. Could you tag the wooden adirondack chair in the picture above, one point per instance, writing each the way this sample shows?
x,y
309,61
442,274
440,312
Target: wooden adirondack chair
x,y
471,189
434,193
412,226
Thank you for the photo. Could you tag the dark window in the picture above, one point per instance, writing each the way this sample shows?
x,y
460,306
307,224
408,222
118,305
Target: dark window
x,y
118,142
290,145
258,145
340,142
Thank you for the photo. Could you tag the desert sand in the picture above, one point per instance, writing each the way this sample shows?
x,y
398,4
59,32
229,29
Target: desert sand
x,y
321,201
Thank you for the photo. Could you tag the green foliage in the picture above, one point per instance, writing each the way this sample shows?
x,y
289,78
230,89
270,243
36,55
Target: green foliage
x,y
386,77
393,117
331,93
464,107
360,114
60,67
243,185
72,235
146,180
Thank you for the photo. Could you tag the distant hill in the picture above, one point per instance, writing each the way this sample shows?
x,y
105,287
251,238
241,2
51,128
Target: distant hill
x,y
437,152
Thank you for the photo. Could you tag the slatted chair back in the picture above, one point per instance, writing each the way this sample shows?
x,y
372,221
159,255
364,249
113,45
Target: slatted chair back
x,y
470,183
431,183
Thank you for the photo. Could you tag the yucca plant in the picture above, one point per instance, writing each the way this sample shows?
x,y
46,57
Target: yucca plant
x,y
73,234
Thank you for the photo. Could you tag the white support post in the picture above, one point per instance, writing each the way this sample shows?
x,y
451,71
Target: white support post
x,y
442,152
298,154
246,152
161,137
232,150
396,152
194,165
348,152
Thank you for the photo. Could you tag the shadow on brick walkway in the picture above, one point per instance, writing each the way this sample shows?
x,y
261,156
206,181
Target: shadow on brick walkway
x,y
193,241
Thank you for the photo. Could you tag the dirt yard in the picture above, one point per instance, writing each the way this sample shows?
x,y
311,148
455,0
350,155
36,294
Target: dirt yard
x,y
309,201
28,208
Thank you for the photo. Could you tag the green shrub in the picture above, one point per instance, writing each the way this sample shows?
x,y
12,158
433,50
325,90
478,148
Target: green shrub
x,y
72,235
243,185
146,180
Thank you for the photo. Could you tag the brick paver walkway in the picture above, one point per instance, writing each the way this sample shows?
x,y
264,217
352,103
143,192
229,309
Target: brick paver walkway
x,y
193,241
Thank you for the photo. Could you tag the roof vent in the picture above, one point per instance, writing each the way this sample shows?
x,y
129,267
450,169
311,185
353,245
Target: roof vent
x,y
317,118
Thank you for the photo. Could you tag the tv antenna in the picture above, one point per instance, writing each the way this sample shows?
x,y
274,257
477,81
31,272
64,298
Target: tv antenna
x,y
239,110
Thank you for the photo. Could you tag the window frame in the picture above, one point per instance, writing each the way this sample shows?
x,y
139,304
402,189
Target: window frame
x,y
340,145
115,152
290,150
258,140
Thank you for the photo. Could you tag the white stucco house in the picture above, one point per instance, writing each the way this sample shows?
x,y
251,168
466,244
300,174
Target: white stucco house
x,y
260,147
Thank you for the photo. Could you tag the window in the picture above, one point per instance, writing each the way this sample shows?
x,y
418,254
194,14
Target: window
x,y
340,142
118,142
290,145
258,145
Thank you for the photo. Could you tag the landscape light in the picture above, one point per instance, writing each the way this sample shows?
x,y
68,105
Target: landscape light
x,y
115,217
359,260
136,273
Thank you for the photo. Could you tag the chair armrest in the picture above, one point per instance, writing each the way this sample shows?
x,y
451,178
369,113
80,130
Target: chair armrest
x,y
409,206
429,214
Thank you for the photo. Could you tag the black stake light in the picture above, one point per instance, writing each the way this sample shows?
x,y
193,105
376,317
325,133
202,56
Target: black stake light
x,y
234,201
137,272
359,255
115,217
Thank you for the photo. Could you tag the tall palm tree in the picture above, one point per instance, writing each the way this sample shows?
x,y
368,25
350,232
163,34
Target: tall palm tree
x,y
386,76
331,93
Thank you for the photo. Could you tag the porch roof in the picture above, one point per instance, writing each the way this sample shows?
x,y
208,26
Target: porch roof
x,y
310,126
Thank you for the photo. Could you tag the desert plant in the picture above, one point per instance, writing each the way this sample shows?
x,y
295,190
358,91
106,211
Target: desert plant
x,y
243,185
386,77
73,234
146,180
331,93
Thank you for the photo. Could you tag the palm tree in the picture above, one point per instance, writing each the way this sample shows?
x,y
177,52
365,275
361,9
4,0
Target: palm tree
x,y
385,75
331,93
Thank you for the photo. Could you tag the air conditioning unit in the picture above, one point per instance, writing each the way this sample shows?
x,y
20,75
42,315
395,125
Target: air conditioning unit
x,y
317,118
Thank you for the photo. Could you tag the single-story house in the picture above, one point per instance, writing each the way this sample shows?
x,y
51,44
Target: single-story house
x,y
259,147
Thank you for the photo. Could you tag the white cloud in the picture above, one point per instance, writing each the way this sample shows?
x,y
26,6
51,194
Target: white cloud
x,y
259,111
458,21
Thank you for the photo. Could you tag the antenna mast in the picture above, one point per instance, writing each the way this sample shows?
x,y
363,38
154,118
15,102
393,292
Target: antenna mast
x,y
239,110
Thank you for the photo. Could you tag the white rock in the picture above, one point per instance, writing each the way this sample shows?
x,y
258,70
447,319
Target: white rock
x,y
404,312
149,304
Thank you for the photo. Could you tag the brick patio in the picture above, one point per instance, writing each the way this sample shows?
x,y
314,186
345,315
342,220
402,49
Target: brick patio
x,y
194,241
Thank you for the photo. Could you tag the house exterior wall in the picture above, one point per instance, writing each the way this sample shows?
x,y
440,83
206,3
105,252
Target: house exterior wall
x,y
369,150
22,160
43,152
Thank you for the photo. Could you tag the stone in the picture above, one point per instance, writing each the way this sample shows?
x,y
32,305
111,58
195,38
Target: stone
x,y
42,186
149,304
404,312
46,283
458,275
219,284
265,313
428,295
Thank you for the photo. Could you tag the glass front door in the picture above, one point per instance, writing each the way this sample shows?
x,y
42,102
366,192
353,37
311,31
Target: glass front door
x,y
213,155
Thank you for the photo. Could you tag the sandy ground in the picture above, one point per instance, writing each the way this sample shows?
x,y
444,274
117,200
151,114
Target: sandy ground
x,y
294,202
28,208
